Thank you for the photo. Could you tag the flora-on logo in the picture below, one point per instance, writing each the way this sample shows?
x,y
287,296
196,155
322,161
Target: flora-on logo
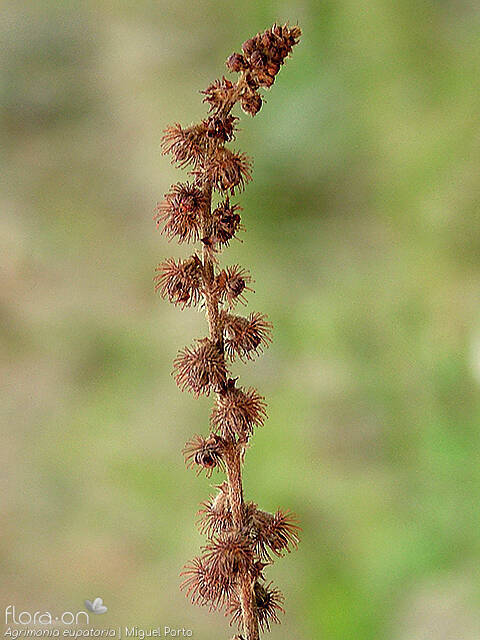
x,y
42,617
96,606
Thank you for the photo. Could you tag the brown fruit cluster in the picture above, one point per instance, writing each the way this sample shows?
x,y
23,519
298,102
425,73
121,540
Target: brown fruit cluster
x,y
260,61
242,540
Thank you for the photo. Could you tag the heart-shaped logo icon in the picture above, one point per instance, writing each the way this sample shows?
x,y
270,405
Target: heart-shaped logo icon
x,y
96,606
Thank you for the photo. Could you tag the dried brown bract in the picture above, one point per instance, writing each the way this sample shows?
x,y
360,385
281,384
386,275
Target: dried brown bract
x,y
231,284
268,602
181,212
215,514
251,102
219,94
204,587
201,368
238,411
226,170
229,554
180,282
221,127
264,54
225,223
272,533
187,146
246,337
242,540
236,62
205,453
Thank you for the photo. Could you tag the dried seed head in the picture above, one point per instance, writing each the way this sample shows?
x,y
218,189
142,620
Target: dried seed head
x,y
187,146
199,369
246,337
215,514
229,554
227,170
221,127
238,411
264,54
236,62
181,212
268,603
219,94
230,285
272,533
251,102
198,582
203,586
180,281
206,453
225,222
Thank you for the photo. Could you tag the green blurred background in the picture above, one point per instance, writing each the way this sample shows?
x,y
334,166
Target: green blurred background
x,y
363,236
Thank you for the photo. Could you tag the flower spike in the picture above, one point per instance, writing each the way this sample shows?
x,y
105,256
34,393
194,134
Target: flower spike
x,y
242,540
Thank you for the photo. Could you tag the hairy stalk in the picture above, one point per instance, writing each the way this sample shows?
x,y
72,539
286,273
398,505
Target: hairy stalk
x,y
242,539
232,461
235,491
211,304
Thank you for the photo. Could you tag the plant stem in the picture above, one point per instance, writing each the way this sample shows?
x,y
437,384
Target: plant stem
x,y
233,461
235,492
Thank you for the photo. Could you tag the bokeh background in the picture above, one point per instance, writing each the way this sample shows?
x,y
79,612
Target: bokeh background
x,y
363,236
